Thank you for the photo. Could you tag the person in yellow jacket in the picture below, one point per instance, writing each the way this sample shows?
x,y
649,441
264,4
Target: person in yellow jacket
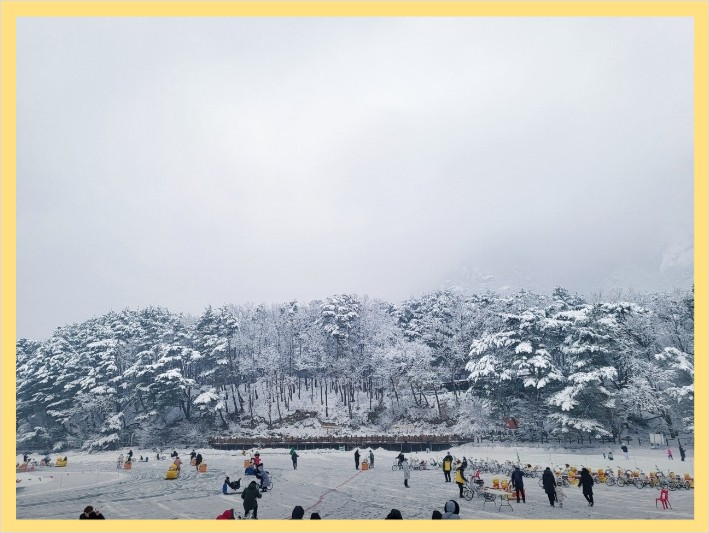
x,y
447,467
460,478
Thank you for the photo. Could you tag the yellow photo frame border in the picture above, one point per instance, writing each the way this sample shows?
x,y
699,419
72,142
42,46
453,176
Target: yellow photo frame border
x,y
11,10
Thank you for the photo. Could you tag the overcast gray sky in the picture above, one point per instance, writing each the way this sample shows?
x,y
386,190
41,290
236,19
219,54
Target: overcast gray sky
x,y
187,162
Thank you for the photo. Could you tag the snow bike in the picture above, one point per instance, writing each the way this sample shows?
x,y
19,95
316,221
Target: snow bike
x,y
473,488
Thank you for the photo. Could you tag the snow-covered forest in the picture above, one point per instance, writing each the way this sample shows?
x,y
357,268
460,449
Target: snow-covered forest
x,y
445,362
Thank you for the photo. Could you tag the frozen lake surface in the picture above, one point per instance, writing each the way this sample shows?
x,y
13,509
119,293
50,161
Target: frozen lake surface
x,y
326,482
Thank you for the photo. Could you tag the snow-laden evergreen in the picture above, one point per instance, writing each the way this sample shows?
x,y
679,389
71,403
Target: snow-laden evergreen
x,y
442,363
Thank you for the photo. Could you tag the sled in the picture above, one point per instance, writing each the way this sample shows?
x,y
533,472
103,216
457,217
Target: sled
x,y
172,472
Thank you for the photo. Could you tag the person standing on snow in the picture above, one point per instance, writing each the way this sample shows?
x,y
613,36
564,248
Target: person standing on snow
x,y
265,479
371,459
586,484
549,484
356,457
447,467
624,449
294,457
460,478
682,455
518,484
407,473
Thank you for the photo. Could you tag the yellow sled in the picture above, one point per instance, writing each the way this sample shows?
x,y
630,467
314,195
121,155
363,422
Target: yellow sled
x,y
172,472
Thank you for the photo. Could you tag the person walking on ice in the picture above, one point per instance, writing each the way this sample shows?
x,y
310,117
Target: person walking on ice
x,y
669,454
294,457
407,473
356,457
586,484
549,484
518,484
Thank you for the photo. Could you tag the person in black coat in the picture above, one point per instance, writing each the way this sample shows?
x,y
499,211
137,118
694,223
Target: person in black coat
x,y
401,458
198,460
681,452
518,484
549,484
356,456
586,484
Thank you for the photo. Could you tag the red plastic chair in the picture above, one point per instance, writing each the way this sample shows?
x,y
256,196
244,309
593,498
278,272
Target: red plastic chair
x,y
664,499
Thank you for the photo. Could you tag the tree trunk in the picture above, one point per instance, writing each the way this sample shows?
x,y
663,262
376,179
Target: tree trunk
x,y
413,393
393,386
438,403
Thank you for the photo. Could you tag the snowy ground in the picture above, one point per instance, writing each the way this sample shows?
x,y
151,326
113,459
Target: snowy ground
x,y
326,481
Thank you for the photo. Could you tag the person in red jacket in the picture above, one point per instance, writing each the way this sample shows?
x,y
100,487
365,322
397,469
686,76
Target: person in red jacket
x,y
257,459
227,515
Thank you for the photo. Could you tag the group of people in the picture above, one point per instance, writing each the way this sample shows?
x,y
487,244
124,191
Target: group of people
x,y
250,495
297,514
460,467
556,494
682,453
371,459
196,459
91,514
128,459
256,468
451,511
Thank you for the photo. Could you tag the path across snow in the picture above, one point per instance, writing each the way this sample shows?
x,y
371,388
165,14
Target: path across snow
x,y
326,482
